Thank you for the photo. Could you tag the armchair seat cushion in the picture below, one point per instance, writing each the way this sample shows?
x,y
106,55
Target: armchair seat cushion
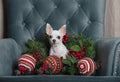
x,y
59,78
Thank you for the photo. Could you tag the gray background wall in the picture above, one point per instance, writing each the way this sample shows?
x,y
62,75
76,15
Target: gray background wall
x,y
112,19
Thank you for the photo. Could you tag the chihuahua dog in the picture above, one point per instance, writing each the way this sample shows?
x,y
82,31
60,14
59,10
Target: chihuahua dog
x,y
55,37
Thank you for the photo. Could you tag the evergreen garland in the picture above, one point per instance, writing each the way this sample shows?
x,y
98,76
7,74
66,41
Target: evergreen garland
x,y
79,46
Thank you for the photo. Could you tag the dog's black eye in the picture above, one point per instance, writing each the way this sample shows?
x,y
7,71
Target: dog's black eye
x,y
50,36
58,37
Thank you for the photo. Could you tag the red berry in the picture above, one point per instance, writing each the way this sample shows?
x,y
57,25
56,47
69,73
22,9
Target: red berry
x,y
22,70
38,53
65,38
44,67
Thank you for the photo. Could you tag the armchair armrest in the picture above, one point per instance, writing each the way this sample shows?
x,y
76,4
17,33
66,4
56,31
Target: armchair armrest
x,y
9,52
108,54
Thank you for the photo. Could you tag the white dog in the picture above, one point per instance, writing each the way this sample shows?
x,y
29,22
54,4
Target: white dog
x,y
55,37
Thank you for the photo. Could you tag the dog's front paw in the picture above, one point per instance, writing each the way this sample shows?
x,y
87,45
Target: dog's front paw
x,y
64,57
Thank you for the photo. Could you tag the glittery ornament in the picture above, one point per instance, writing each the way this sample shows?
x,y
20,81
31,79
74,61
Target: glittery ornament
x,y
86,66
54,63
26,62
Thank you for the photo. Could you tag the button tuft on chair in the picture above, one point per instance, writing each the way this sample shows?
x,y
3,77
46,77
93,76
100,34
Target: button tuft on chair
x,y
89,22
79,5
55,6
33,6
23,23
68,22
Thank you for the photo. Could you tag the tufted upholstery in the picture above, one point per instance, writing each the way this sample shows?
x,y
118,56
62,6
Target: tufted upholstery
x,y
26,19
29,17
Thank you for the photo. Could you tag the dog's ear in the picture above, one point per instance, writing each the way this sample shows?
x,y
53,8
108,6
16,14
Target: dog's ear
x,y
63,30
49,29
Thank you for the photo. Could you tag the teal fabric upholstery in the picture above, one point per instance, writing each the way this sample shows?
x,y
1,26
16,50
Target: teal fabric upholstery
x,y
108,52
26,19
60,78
9,51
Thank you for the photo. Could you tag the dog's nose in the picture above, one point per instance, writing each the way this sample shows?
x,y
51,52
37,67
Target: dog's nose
x,y
54,40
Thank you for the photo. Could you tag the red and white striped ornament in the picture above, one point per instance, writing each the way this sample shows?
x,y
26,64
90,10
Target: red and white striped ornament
x,y
26,61
53,62
87,66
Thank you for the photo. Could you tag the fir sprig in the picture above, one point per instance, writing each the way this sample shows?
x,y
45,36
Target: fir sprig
x,y
35,46
78,42
70,65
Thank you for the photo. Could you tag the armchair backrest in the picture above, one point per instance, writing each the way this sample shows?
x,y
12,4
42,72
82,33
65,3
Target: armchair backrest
x,y
26,19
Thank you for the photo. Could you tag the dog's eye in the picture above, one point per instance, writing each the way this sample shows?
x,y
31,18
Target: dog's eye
x,y
58,37
50,36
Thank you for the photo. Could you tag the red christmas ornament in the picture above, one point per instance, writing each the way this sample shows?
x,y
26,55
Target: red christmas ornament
x,y
54,63
26,62
86,66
